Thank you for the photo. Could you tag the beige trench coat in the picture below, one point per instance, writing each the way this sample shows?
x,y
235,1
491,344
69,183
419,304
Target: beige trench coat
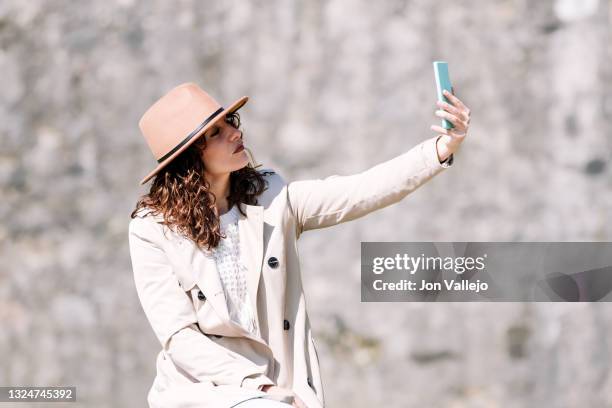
x,y
182,297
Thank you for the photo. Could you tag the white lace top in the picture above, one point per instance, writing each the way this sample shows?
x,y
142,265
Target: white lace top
x,y
233,273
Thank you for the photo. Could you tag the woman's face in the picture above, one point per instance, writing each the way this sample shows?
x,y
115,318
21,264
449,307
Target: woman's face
x,y
220,144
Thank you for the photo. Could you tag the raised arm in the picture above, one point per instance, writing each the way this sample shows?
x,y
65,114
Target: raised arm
x,y
173,317
336,199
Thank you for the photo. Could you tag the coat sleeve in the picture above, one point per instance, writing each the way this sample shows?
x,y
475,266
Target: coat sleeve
x,y
202,358
336,199
173,317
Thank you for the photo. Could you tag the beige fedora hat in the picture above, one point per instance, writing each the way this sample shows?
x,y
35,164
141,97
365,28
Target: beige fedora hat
x,y
178,119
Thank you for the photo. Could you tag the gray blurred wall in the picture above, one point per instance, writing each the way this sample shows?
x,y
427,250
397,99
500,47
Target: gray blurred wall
x,y
335,87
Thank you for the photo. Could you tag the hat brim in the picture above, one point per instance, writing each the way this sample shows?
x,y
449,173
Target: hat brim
x,y
232,108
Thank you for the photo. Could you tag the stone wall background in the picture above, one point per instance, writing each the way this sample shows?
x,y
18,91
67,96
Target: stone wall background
x,y
336,87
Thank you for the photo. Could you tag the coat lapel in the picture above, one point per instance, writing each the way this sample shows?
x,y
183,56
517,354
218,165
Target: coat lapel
x,y
250,231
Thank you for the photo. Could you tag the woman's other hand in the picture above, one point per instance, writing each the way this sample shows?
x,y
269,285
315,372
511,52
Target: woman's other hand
x,y
276,390
298,403
458,114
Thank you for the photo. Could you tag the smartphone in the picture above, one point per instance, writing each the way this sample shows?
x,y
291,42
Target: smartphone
x,y
442,83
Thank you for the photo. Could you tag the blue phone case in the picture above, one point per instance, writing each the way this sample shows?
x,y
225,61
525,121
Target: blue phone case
x,y
442,83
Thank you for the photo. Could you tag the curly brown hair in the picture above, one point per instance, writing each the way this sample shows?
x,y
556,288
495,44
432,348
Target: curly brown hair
x,y
181,193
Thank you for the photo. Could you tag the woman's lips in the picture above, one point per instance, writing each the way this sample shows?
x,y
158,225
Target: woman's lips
x,y
239,148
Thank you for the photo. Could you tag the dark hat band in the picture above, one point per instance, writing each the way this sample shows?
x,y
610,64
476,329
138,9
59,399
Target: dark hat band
x,y
191,135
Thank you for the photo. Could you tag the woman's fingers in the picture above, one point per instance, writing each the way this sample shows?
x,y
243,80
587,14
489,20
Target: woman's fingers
x,y
459,124
449,132
455,101
449,108
439,129
298,403
456,113
457,108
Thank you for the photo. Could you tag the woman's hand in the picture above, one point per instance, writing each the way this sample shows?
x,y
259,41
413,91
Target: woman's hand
x,y
276,390
298,403
459,115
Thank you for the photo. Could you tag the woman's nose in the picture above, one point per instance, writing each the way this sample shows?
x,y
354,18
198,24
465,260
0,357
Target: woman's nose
x,y
235,135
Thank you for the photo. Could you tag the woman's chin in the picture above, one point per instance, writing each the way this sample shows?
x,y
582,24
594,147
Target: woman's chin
x,y
240,162
242,157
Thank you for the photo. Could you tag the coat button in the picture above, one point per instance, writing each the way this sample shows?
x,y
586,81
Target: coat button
x,y
286,325
309,381
273,262
201,295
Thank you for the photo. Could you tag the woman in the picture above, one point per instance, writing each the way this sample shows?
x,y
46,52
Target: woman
x,y
214,252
